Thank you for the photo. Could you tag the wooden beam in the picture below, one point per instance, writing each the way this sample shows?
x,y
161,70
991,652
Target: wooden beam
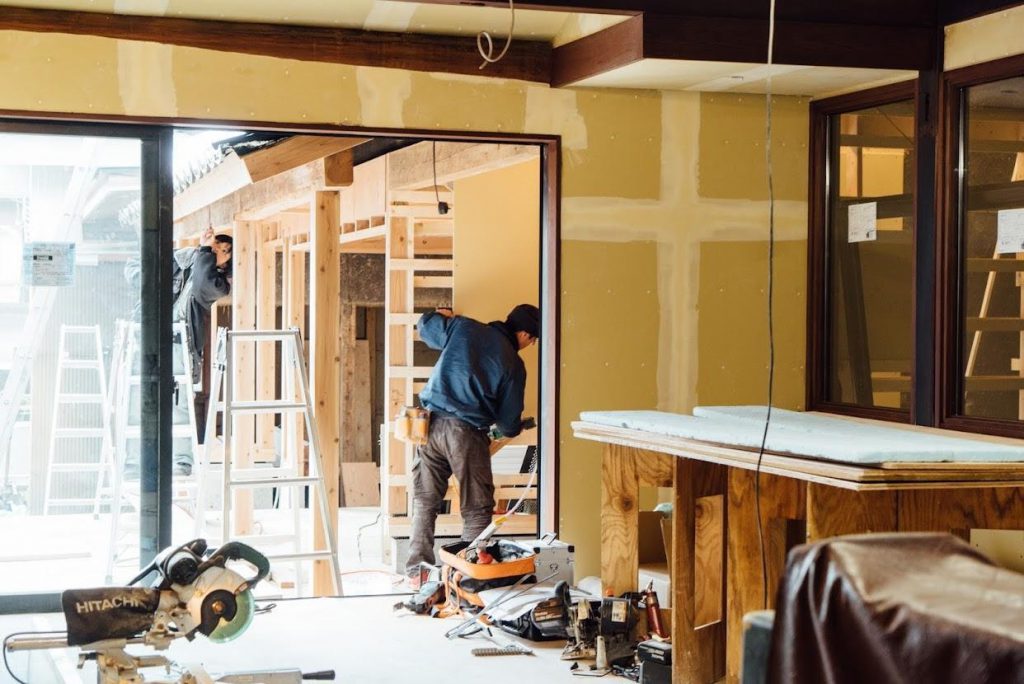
x,y
255,202
526,60
324,366
338,170
412,167
222,180
295,151
742,40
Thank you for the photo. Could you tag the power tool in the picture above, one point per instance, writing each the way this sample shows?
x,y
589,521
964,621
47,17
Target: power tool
x,y
192,593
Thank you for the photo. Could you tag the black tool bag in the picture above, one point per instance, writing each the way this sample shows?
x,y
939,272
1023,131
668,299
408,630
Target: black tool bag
x,y
546,621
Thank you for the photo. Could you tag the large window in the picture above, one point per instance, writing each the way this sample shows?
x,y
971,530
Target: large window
x,y
984,340
862,253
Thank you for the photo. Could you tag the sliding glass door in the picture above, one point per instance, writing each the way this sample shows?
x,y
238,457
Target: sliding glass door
x,y
81,357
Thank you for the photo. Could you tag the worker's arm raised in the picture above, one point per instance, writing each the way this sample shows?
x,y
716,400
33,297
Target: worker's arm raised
x,y
434,327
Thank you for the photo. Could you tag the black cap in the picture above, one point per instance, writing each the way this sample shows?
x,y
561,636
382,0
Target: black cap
x,y
525,317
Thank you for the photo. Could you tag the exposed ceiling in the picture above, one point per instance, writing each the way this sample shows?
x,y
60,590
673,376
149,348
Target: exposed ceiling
x,y
820,48
371,15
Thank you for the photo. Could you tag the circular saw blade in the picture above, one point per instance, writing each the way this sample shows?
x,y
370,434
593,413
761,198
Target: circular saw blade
x,y
244,611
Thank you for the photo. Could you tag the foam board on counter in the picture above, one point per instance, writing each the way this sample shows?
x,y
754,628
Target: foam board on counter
x,y
813,435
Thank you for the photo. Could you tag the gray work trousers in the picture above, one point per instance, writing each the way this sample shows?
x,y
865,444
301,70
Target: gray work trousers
x,y
453,447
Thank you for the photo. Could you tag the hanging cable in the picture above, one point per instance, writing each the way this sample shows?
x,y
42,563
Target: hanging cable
x,y
771,312
485,37
442,207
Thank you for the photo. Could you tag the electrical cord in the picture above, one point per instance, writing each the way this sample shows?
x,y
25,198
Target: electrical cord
x,y
485,37
7,638
442,207
771,312
526,489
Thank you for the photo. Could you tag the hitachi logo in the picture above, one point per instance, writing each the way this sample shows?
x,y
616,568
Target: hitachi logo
x,y
82,607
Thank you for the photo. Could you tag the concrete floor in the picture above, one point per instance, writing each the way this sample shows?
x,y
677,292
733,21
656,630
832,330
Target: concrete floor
x,y
362,639
56,552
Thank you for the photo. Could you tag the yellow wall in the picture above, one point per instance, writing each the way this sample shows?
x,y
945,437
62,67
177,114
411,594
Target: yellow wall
x,y
985,38
634,212
497,250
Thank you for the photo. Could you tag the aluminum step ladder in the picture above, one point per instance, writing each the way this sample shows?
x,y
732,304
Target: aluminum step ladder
x,y
85,434
287,475
125,384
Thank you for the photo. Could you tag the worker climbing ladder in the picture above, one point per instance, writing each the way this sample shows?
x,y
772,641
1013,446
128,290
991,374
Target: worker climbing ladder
x,y
80,430
287,472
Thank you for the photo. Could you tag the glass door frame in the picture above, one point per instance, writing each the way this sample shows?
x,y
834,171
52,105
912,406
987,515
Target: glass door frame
x,y
157,383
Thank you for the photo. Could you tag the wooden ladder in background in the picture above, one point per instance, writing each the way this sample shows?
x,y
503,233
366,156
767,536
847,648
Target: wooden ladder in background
x,y
418,255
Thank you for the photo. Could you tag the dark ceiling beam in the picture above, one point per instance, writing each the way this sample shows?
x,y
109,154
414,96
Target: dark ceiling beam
x,y
741,40
526,60
952,11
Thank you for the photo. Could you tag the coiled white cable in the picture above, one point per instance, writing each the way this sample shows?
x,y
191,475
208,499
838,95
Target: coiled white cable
x,y
484,37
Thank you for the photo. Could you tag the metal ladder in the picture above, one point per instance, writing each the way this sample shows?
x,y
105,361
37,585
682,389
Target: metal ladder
x,y
288,474
125,379
101,462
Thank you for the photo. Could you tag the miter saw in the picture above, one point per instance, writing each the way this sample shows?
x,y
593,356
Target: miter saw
x,y
193,592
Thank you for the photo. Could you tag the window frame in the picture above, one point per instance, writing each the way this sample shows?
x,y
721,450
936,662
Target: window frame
x,y
818,304
948,300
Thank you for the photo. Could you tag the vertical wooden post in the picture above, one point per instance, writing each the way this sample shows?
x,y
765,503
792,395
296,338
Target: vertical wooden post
x,y
697,571
266,319
782,499
324,362
620,519
398,302
243,317
295,283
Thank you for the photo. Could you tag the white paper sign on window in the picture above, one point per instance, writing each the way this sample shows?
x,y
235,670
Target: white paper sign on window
x,y
1010,231
862,221
49,264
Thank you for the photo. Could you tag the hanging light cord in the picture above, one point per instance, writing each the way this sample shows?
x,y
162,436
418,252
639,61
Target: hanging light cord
x,y
771,326
485,44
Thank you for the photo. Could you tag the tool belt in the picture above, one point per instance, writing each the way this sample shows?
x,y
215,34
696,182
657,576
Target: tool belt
x,y
464,578
412,425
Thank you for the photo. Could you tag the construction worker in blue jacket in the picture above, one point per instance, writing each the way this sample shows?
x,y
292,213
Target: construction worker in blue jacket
x,y
478,381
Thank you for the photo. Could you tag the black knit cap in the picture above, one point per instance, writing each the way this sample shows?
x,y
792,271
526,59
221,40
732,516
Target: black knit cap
x,y
525,317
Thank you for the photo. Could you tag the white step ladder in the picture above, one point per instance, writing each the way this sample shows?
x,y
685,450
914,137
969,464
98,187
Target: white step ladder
x,y
92,435
287,474
125,383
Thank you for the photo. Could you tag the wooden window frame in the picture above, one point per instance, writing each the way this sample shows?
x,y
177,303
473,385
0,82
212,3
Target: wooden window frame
x,y
821,112
948,302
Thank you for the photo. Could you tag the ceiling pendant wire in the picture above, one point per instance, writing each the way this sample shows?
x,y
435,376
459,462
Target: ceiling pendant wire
x,y
771,317
485,44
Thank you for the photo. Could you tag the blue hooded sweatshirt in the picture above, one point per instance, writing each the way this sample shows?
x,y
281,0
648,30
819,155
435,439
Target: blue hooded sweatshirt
x,y
479,378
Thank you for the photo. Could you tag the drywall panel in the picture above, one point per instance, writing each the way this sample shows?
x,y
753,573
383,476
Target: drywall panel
x,y
733,323
497,250
732,147
610,330
623,132
985,38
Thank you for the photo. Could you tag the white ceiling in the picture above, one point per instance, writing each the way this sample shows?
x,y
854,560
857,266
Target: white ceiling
x,y
666,74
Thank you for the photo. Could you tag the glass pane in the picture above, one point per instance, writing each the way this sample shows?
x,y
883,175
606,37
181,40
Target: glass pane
x,y
992,252
870,256
69,226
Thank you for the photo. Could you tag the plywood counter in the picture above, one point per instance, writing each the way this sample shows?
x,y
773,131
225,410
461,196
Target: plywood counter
x,y
716,568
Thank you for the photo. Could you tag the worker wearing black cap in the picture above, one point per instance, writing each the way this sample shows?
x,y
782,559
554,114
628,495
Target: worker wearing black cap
x,y
478,381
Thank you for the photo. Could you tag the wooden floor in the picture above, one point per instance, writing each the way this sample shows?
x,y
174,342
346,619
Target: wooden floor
x,y
362,639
